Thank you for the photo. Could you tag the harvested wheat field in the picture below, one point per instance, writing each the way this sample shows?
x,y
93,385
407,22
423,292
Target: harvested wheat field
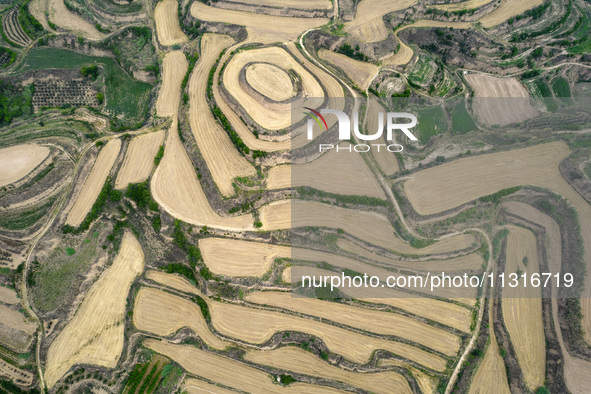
x,y
196,386
94,182
228,372
8,296
261,28
426,383
506,10
522,308
383,323
295,4
223,159
368,25
361,73
499,101
167,23
333,172
270,81
290,358
491,376
386,160
162,313
258,326
139,159
177,189
463,5
16,331
452,184
235,258
173,281
174,68
95,334
269,115
62,17
370,227
17,161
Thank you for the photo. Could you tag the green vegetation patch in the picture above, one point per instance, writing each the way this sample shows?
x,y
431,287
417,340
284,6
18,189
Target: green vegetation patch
x,y
30,25
25,218
119,8
311,193
140,194
51,279
423,70
134,50
560,87
461,120
126,98
432,121
15,101
181,269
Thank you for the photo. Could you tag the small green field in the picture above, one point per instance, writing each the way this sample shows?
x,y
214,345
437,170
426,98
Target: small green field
x,y
461,120
560,87
432,121
125,96
423,70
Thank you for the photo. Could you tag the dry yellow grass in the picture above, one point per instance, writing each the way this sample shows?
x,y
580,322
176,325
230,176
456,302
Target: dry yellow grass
x,y
257,326
94,182
491,376
270,81
361,73
522,308
231,257
499,101
223,159
368,226
178,191
427,384
299,361
296,4
272,116
174,68
463,5
226,371
95,334
173,281
196,386
506,10
8,296
368,24
17,161
16,331
384,323
452,184
62,17
167,23
386,160
326,173
162,313
139,159
260,27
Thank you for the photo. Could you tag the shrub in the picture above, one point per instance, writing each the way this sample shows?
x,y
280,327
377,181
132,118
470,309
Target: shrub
x,y
70,251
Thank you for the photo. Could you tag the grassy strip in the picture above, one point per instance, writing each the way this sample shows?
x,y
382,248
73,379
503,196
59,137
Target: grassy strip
x,y
159,155
19,220
496,197
306,191
181,269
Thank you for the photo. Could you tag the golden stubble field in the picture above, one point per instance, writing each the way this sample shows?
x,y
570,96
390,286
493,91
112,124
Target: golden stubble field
x,y
19,160
368,25
174,68
167,23
139,159
361,73
94,182
95,334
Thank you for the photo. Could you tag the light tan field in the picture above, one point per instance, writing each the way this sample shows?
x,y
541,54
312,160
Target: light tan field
x,y
176,188
196,386
368,226
467,262
38,8
95,334
368,25
8,296
386,160
162,313
257,326
236,258
299,361
427,384
174,68
296,4
522,308
499,101
452,184
62,17
361,73
167,23
272,116
16,332
94,182
173,281
261,28
508,9
139,159
491,377
223,159
325,173
270,81
17,161
405,53
464,5
383,323
228,372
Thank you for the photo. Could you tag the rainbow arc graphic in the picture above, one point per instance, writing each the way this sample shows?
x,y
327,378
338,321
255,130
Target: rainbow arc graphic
x,y
316,115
